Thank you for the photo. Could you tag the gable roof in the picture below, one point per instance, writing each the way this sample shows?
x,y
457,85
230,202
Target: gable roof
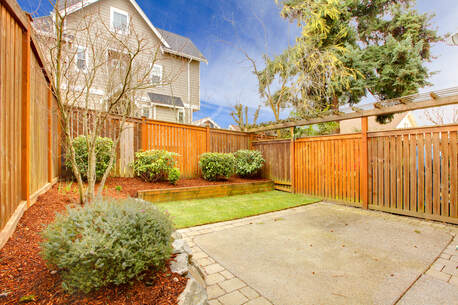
x,y
205,120
180,44
173,43
167,100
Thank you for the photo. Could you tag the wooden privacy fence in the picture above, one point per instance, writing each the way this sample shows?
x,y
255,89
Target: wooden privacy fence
x,y
277,154
414,172
189,141
328,167
410,172
28,130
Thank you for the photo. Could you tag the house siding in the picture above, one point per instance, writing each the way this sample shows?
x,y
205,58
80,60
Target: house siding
x,y
174,68
166,114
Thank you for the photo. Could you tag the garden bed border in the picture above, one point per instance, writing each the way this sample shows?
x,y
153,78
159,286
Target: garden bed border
x,y
207,191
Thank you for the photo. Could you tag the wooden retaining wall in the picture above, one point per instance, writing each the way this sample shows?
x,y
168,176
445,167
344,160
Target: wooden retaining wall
x,y
209,191
28,130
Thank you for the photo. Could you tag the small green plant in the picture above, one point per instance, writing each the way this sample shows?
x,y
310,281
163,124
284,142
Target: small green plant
x,y
68,187
102,155
248,163
118,188
156,165
174,175
215,166
107,242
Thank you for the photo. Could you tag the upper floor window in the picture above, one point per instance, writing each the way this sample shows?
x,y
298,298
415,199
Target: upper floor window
x,y
156,74
180,116
119,20
81,59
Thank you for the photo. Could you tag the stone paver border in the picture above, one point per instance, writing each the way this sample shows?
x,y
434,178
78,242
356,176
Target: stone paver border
x,y
224,288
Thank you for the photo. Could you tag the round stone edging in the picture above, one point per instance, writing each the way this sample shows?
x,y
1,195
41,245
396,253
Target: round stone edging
x,y
195,292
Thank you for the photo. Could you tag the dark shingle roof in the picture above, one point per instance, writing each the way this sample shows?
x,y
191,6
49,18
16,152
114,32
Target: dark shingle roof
x,y
165,99
181,44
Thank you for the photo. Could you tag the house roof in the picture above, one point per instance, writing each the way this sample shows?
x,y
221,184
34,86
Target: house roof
x,y
180,44
172,43
166,100
206,119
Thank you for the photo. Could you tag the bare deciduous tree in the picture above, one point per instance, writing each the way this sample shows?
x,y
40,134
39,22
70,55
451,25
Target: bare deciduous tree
x,y
240,116
442,116
99,70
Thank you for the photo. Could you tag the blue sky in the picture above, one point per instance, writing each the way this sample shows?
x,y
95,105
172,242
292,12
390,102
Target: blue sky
x,y
220,27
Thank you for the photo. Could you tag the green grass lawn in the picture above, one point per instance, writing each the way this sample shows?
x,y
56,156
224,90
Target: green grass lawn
x,y
190,213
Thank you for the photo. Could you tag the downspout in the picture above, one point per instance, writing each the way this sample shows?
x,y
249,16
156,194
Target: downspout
x,y
189,90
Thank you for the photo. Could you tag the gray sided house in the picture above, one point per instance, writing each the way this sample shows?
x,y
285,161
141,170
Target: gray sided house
x,y
174,102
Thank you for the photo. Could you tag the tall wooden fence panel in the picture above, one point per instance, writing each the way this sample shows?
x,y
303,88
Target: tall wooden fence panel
x,y
328,167
188,141
39,128
225,141
10,114
27,131
277,154
414,172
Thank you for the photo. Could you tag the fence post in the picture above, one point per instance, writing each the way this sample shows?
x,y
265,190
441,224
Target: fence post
x,y
25,134
364,163
144,135
292,161
50,133
208,139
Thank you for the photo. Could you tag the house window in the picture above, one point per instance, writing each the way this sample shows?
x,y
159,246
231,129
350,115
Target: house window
x,y
119,20
156,74
81,59
180,116
146,113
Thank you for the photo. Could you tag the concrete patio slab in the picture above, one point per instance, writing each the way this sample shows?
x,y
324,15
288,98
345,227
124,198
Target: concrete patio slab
x,y
429,290
327,254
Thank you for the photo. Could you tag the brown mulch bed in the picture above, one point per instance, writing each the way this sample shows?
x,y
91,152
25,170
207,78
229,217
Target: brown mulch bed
x,y
24,273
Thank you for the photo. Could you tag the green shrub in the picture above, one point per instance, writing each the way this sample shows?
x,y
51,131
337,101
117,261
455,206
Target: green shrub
x,y
103,147
174,175
156,165
248,163
216,166
107,242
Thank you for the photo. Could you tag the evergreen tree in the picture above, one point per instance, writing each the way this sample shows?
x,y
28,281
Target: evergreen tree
x,y
383,46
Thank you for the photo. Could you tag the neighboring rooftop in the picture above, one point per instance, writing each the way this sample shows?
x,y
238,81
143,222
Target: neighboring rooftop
x,y
206,122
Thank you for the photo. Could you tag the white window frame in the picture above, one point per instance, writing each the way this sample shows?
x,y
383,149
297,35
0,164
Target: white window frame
x,y
178,115
161,68
121,12
78,48
149,112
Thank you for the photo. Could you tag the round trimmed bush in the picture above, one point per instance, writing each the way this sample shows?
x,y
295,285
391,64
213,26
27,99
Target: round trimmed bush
x,y
216,166
156,165
248,163
107,242
103,147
